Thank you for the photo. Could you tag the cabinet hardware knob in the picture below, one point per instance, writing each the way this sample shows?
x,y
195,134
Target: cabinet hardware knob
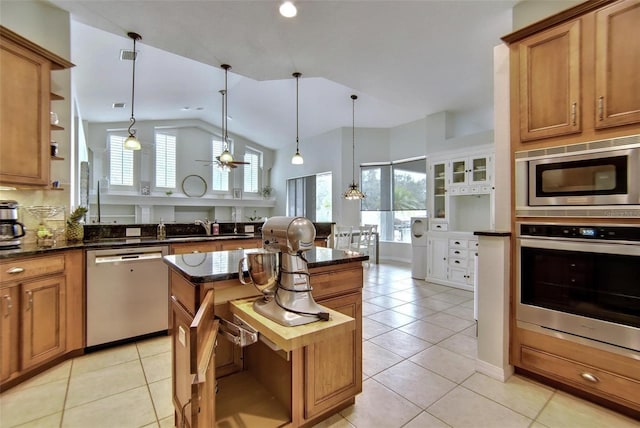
x,y
30,300
574,108
9,304
601,108
589,377
15,270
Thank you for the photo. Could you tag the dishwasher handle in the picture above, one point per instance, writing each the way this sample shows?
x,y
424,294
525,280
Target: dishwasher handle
x,y
116,258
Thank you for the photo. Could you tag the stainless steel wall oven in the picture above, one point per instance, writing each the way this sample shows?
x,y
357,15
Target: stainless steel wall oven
x,y
583,280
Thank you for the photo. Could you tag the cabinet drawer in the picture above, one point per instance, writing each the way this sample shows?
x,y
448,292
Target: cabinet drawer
x,y
441,227
461,263
335,282
581,375
458,243
20,269
458,253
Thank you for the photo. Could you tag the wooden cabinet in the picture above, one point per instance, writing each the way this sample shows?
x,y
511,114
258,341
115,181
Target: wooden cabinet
x,y
193,369
333,368
614,377
550,83
256,385
43,320
9,329
577,74
25,94
617,64
42,312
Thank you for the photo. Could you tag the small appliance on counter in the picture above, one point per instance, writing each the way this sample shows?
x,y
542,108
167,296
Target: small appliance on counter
x,y
10,228
281,274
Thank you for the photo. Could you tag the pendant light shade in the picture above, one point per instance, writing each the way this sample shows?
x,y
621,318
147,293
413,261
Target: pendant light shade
x,y
353,193
297,158
131,142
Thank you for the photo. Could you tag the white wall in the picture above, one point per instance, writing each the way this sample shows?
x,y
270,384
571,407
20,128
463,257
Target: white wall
x,y
529,11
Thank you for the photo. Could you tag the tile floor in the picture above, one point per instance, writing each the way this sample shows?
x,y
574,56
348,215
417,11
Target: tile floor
x,y
419,349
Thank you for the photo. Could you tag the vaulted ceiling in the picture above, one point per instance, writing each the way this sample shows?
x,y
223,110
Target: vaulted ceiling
x,y
404,59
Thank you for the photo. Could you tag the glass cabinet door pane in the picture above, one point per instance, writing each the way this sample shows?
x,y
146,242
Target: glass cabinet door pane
x,y
458,171
479,169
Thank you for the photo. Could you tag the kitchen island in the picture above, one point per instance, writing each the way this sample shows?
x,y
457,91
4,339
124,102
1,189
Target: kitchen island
x,y
290,376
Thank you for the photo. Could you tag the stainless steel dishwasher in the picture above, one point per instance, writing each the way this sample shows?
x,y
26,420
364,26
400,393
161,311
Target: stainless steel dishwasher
x,y
127,293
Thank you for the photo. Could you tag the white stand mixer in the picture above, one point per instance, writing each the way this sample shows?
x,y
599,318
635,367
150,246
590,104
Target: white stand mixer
x,y
290,302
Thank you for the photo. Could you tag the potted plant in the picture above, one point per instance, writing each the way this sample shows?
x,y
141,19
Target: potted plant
x,y
75,227
266,191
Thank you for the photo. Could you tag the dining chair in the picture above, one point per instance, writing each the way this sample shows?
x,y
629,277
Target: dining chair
x,y
342,236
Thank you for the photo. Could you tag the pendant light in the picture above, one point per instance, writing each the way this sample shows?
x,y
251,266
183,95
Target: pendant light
x,y
297,158
131,142
225,156
353,193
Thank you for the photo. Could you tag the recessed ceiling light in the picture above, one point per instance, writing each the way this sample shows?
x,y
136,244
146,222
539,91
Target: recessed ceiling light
x,y
185,108
118,105
288,9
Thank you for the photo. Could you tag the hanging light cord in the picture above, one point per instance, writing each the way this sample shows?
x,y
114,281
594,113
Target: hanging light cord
x,y
226,107
353,137
297,80
132,121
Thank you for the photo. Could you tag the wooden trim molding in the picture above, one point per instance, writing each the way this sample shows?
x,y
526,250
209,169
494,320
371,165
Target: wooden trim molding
x,y
57,62
558,18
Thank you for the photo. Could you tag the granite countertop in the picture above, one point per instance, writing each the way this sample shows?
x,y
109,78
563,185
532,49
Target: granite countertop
x,y
223,265
30,248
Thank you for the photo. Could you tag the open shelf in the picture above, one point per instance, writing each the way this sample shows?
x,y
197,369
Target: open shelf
x,y
55,97
58,158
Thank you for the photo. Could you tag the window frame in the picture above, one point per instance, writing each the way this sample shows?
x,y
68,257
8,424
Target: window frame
x,y
165,133
115,140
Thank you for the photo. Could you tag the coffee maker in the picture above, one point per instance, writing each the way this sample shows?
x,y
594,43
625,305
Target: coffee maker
x,y
287,300
10,228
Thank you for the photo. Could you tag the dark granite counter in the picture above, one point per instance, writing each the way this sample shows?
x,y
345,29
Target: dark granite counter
x,y
498,233
223,265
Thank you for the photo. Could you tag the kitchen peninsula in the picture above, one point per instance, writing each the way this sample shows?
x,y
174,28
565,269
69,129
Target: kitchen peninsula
x,y
291,376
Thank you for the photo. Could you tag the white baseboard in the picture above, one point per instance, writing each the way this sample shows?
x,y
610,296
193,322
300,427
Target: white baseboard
x,y
495,372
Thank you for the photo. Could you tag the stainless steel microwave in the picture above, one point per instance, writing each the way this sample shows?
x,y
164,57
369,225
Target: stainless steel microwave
x,y
599,178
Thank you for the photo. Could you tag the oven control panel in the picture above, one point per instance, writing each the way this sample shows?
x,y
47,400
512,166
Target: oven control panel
x,y
573,231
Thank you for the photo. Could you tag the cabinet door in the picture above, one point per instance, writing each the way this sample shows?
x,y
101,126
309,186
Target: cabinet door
x,y
617,64
193,367
195,247
240,244
438,251
459,169
24,116
333,368
549,80
43,320
438,174
9,325
479,170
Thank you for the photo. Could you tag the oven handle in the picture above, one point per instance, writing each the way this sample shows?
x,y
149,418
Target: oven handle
x,y
585,247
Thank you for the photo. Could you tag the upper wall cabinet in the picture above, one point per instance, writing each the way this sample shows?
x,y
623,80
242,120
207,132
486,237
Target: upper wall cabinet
x,y
550,83
618,64
25,96
575,74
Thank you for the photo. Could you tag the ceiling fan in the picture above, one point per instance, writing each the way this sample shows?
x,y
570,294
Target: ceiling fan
x,y
225,160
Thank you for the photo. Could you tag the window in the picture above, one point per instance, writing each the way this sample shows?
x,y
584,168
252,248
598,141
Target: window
x,y
220,178
165,160
252,170
120,162
395,192
310,197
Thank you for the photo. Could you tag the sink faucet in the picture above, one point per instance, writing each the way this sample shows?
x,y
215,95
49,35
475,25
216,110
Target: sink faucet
x,y
206,224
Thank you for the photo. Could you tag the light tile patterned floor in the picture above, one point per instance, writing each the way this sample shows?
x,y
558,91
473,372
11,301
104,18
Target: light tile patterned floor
x,y
418,362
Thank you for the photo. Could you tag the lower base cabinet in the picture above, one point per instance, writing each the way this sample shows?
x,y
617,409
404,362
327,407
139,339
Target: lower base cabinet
x,y
218,384
41,313
450,259
608,375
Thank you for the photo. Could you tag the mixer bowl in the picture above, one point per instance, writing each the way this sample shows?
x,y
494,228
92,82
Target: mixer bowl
x,y
263,268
